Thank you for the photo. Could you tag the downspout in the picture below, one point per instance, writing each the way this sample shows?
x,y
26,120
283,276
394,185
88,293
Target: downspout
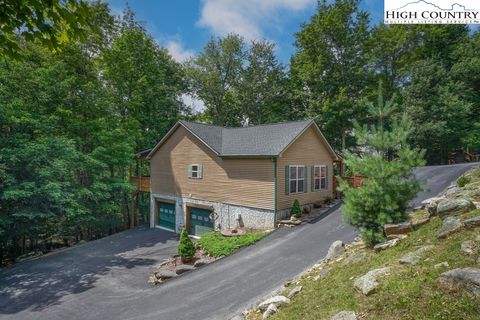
x,y
275,191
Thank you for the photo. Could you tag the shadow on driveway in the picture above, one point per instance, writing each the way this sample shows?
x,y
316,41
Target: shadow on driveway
x,y
115,263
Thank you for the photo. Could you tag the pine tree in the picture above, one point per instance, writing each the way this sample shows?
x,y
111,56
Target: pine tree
x,y
186,248
296,211
387,161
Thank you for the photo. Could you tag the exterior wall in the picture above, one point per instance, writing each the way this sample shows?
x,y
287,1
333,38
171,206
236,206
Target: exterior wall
x,y
241,182
226,215
307,150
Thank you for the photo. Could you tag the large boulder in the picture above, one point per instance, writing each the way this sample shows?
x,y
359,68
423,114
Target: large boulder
x,y
277,301
449,226
453,207
368,283
336,249
398,228
164,274
472,222
467,279
431,204
344,315
412,258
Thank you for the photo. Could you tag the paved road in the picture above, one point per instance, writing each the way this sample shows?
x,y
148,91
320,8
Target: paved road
x,y
106,279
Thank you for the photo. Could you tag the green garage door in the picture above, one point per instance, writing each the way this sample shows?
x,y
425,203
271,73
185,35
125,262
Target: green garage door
x,y
166,215
200,221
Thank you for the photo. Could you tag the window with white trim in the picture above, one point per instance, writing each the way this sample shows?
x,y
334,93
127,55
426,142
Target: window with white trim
x,y
195,171
319,177
297,177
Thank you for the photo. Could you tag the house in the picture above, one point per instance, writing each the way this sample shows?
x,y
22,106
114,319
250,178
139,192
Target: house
x,y
206,177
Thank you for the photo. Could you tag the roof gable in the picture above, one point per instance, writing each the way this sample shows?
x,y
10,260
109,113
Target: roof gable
x,y
255,141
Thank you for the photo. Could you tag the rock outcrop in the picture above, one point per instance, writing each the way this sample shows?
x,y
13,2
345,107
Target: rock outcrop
x,y
449,226
467,279
454,207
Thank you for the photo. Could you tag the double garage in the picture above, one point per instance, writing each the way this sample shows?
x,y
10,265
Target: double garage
x,y
198,219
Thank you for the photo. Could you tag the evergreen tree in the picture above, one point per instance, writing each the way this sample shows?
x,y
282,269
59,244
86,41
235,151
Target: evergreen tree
x,y
186,248
296,211
387,161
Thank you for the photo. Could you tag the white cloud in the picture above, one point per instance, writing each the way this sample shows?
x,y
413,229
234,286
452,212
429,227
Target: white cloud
x,y
178,52
245,17
197,105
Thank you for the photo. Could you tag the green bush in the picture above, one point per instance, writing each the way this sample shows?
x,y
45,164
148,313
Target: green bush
x,y
462,181
296,211
217,245
186,248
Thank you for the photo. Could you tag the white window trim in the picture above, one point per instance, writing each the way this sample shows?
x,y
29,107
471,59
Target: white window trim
x,y
296,166
320,178
199,171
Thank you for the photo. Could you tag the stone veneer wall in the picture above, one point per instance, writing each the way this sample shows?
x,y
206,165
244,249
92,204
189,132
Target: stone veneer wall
x,y
226,215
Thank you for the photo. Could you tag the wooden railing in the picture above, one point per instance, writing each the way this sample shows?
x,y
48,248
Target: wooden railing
x,y
143,183
354,181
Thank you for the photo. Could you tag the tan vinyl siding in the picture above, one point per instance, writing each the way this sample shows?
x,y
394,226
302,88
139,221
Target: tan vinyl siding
x,y
245,182
307,150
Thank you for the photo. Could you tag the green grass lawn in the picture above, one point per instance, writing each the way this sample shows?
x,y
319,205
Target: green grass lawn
x,y
217,245
409,292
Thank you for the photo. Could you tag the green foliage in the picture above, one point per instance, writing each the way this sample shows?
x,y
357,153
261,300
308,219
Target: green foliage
x,y
51,23
186,248
387,162
216,245
463,181
296,211
406,293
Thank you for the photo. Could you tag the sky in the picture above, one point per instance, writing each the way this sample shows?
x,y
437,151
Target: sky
x,y
185,26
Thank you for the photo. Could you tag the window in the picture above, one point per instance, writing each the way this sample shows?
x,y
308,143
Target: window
x,y
195,171
297,179
319,176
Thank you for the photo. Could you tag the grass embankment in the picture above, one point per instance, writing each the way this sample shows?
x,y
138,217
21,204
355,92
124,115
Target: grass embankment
x,y
217,245
409,292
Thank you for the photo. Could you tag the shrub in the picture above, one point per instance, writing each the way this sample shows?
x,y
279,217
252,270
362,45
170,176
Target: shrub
x,y
296,211
186,248
216,245
462,181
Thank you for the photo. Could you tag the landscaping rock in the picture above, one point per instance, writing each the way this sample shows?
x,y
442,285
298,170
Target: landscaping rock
x,y
355,257
468,247
201,262
431,204
344,315
184,268
397,236
164,274
450,225
419,223
467,279
441,265
271,310
336,249
322,274
82,242
277,301
291,222
294,291
398,228
453,207
386,245
28,256
367,283
318,204
153,279
412,258
472,222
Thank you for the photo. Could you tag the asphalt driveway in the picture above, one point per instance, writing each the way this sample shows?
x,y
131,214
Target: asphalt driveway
x,y
106,279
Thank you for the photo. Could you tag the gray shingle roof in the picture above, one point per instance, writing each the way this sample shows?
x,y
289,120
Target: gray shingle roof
x,y
262,140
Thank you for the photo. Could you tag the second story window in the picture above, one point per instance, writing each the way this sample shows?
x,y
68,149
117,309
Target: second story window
x,y
195,171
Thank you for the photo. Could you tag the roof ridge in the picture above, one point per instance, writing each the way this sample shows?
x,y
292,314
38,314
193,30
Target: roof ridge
x,y
253,126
